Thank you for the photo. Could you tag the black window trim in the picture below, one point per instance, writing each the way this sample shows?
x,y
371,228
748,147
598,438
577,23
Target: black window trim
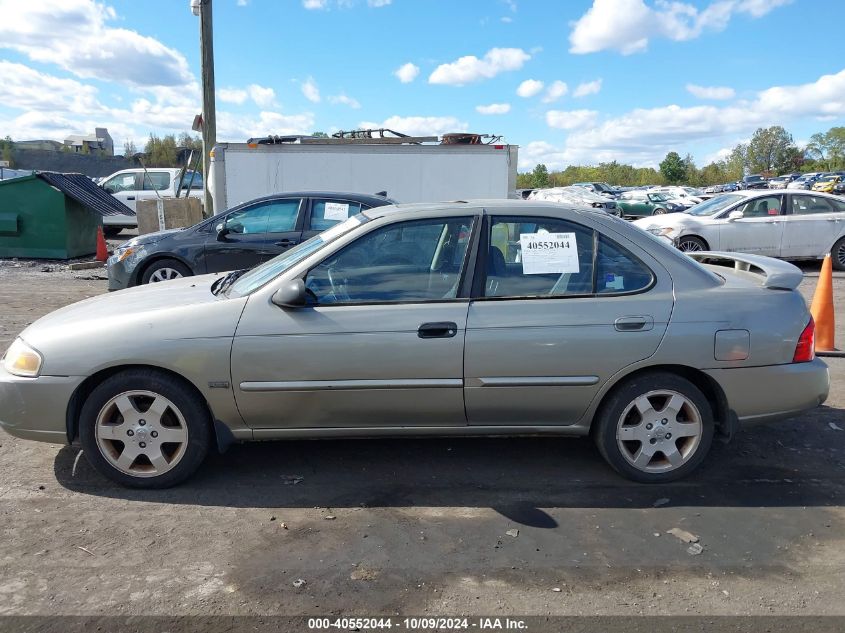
x,y
480,272
476,222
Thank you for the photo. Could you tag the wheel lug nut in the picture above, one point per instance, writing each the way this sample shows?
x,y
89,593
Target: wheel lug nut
x,y
154,433
143,422
130,432
142,444
668,436
649,426
663,421
653,441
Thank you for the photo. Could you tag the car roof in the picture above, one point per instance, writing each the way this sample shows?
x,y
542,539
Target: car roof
x,y
345,195
491,206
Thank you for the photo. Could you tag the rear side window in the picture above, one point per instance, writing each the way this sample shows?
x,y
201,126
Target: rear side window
x,y
543,257
156,181
809,205
327,213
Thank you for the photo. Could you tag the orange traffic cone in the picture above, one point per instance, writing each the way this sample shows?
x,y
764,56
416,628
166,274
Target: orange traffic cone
x,y
822,308
102,249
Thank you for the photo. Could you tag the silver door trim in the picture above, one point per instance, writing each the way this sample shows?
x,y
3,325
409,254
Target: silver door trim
x,y
538,381
326,385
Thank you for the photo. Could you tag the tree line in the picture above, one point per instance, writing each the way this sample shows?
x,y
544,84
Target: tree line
x,y
771,151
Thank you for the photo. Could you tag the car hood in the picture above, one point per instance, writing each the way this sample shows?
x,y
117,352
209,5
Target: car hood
x,y
675,220
150,238
144,316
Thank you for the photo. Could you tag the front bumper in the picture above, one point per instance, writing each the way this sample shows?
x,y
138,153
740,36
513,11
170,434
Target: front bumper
x,y
36,408
773,392
120,275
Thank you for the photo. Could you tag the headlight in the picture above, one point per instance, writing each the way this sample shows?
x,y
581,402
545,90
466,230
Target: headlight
x,y
123,253
22,360
664,231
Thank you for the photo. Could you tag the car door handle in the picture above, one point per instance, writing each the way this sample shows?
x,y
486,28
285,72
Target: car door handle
x,y
633,323
440,329
130,197
285,242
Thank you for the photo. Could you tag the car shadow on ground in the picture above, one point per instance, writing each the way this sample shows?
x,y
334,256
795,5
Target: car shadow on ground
x,y
793,463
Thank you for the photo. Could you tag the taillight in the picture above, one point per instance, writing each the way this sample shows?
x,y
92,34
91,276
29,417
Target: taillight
x,y
805,350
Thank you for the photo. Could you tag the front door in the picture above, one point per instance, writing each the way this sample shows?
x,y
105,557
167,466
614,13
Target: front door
x,y
551,323
124,187
380,346
248,236
758,231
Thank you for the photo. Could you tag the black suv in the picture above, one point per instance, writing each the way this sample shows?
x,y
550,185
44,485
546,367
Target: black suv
x,y
755,182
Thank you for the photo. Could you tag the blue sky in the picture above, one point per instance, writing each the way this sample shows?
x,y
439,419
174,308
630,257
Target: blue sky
x,y
621,79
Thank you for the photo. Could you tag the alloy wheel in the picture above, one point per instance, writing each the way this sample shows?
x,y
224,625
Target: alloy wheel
x,y
690,246
141,433
164,274
839,255
659,431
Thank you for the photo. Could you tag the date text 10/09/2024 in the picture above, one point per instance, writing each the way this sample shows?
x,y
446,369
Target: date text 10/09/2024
x,y
418,624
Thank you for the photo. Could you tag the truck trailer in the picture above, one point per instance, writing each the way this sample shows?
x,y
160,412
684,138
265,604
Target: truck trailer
x,y
407,171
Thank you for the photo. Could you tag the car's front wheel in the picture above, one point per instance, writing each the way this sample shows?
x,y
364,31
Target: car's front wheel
x,y
837,254
144,429
658,211
691,244
655,428
165,270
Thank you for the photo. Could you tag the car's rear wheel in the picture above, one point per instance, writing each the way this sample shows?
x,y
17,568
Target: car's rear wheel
x,y
144,429
655,428
165,270
837,254
658,211
112,231
691,244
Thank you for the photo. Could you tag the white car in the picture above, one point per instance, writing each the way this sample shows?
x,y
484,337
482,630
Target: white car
x,y
683,195
577,196
788,224
131,185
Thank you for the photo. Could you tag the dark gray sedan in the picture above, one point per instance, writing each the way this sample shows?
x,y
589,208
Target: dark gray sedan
x,y
243,237
466,318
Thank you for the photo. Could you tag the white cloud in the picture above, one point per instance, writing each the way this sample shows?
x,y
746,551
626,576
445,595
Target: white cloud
x,y
312,5
75,35
263,97
628,25
494,108
587,88
506,19
407,72
470,68
711,92
529,88
556,90
232,95
643,136
238,128
27,89
243,3
378,3
420,125
343,99
571,119
310,90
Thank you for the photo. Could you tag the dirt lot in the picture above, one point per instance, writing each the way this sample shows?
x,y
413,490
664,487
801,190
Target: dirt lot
x,y
420,526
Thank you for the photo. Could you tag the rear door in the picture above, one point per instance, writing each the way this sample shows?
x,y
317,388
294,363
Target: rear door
x,y
252,234
758,231
809,224
556,311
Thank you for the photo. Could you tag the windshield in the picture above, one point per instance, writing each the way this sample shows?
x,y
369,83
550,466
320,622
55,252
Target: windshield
x,y
260,275
657,197
714,205
753,178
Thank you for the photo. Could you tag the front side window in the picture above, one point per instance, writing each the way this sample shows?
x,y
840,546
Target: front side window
x,y
156,181
122,182
248,221
810,205
327,213
542,257
192,178
761,207
281,215
420,260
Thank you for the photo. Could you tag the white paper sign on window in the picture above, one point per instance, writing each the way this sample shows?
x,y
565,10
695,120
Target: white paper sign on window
x,y
544,253
336,211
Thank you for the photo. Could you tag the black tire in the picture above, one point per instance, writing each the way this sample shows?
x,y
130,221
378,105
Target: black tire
x,y
837,254
658,211
112,231
607,421
691,243
180,394
162,265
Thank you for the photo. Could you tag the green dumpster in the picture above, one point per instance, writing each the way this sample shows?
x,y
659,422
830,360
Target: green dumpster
x,y
43,215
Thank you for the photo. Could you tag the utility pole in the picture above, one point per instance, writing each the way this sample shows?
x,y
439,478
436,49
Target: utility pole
x,y
209,117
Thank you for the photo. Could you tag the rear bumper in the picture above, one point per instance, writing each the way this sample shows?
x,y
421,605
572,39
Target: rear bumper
x,y
36,408
764,394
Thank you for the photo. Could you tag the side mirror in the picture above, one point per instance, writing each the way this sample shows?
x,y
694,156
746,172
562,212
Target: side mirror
x,y
291,295
736,214
109,190
222,232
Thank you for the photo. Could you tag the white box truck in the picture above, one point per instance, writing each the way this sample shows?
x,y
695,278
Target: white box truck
x,y
407,172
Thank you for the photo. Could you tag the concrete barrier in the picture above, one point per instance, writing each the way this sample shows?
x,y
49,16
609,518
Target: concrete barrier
x,y
167,213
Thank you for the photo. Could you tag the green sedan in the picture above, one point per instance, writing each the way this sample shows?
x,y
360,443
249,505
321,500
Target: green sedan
x,y
642,203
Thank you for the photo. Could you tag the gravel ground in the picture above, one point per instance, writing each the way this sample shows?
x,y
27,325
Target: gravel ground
x,y
424,526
